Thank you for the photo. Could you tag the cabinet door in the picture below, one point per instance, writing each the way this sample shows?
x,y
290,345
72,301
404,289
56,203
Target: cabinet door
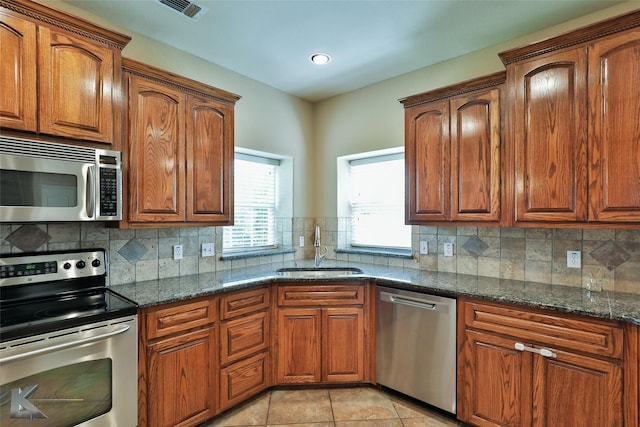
x,y
577,390
494,387
427,157
76,79
181,379
156,152
209,160
475,157
299,345
343,344
614,144
550,139
18,102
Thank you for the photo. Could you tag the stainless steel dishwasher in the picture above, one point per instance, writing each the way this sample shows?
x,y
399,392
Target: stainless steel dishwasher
x,y
416,346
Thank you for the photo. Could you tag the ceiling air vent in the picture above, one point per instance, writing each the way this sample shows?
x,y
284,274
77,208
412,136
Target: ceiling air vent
x,y
186,8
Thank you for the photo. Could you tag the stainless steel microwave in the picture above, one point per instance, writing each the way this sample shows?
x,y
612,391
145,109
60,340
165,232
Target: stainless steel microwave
x,y
46,182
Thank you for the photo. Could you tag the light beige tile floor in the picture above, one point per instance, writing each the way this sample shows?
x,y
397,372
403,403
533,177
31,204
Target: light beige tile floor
x,y
341,407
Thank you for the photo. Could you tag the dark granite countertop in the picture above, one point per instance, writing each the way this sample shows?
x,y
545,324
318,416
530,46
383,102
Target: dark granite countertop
x,y
605,304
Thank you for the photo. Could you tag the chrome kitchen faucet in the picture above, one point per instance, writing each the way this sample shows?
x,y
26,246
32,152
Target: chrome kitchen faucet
x,y
316,243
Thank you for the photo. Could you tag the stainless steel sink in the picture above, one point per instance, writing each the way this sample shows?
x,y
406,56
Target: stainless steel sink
x,y
318,272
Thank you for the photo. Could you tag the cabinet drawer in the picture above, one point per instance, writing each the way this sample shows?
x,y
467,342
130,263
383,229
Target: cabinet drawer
x,y
244,302
299,296
243,380
180,317
242,337
593,336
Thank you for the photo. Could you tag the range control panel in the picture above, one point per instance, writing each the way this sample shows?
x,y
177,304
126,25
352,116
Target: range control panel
x,y
35,267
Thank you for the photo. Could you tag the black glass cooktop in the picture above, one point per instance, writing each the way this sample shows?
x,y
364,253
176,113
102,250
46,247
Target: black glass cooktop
x,y
32,317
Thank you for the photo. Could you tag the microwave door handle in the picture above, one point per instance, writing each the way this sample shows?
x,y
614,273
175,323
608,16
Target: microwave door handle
x,y
91,192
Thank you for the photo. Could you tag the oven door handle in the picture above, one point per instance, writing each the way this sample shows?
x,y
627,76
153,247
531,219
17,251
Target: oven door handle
x,y
69,341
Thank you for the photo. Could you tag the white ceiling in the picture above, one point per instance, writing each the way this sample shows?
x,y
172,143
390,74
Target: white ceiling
x,y
368,40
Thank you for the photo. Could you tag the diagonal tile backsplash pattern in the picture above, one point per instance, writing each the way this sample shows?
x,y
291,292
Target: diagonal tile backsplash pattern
x,y
610,255
613,256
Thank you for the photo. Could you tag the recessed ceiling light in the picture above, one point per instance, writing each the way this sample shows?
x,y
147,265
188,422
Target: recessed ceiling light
x,y
320,58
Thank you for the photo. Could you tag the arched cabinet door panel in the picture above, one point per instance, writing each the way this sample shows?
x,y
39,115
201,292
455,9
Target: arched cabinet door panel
x,y
614,132
550,140
156,152
76,83
475,157
18,102
209,151
427,153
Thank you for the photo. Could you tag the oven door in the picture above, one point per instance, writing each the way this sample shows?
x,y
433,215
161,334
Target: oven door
x,y
41,189
85,376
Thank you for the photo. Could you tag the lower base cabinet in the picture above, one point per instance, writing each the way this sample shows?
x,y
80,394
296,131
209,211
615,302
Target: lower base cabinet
x,y
519,367
321,334
177,367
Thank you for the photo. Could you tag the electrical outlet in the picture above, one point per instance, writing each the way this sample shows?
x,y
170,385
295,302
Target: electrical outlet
x,y
301,241
177,251
448,249
208,249
573,259
424,247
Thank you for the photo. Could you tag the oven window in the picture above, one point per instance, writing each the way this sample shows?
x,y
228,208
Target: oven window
x,y
64,396
22,188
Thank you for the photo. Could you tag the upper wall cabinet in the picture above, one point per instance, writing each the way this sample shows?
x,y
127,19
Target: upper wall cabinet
x,y
60,75
452,153
573,150
179,152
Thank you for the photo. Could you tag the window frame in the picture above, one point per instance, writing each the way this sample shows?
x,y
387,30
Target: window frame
x,y
345,210
282,198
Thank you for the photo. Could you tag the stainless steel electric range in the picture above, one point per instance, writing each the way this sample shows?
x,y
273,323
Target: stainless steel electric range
x,y
68,343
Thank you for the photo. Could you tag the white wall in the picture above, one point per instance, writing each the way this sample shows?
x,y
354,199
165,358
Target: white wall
x,y
371,118
266,119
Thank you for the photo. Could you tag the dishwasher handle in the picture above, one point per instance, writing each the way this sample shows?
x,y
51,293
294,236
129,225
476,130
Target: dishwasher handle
x,y
412,302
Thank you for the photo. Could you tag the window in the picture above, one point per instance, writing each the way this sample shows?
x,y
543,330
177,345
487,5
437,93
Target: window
x,y
376,200
255,183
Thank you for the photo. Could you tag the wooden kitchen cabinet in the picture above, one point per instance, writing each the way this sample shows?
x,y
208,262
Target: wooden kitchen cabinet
x,y
573,150
178,367
528,367
60,74
452,153
180,150
322,330
245,340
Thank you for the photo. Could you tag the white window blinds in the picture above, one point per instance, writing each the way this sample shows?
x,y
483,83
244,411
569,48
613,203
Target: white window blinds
x,y
254,204
377,202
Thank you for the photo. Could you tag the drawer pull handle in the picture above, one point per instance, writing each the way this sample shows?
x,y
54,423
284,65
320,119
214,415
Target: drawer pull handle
x,y
541,351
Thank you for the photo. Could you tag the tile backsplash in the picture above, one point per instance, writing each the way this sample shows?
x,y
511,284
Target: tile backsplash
x,y
536,254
